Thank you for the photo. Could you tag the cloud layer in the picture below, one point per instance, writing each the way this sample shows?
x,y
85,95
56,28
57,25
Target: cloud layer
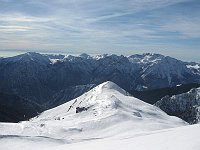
x,y
93,26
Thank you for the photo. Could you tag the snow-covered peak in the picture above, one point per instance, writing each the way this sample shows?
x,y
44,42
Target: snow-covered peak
x,y
108,85
194,67
145,58
104,111
29,57
86,56
69,57
95,102
99,56
62,58
165,68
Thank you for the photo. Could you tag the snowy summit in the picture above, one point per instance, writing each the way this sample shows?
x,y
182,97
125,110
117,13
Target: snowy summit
x,y
105,112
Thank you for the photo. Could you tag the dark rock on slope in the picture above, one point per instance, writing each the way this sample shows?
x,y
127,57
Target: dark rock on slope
x,y
185,106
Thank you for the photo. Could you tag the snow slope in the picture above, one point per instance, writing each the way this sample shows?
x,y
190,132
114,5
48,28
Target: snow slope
x,y
106,112
182,138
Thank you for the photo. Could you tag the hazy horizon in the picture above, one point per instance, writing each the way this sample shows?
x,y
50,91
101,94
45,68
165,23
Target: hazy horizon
x,y
18,52
90,26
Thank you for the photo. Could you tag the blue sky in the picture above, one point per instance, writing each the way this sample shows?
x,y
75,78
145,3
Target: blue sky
x,y
169,27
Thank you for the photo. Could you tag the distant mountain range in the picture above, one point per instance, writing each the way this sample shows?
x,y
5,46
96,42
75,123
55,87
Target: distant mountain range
x,y
44,81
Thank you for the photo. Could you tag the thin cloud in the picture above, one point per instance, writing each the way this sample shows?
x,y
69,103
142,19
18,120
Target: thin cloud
x,y
92,24
14,28
186,28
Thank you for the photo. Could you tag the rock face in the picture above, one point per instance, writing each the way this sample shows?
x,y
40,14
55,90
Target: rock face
x,y
185,106
51,80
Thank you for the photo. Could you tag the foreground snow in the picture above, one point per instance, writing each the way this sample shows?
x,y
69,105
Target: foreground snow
x,y
182,138
103,118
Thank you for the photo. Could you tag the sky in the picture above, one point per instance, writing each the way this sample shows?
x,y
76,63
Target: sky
x,y
169,27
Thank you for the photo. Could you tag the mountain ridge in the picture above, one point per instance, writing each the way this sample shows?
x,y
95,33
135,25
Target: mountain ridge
x,y
43,78
185,105
104,107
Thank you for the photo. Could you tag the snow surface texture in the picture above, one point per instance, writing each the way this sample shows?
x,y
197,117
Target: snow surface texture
x,y
107,115
182,138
